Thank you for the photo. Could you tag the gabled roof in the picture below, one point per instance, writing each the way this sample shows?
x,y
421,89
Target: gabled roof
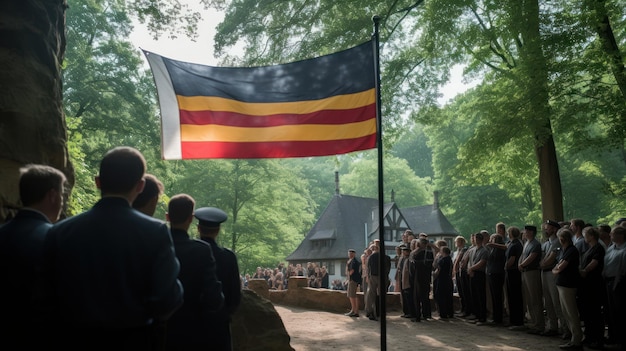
x,y
429,220
386,209
350,218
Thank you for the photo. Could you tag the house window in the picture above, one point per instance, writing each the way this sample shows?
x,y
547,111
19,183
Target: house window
x,y
319,244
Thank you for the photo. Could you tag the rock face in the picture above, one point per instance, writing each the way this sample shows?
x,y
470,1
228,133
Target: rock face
x,y
32,125
256,326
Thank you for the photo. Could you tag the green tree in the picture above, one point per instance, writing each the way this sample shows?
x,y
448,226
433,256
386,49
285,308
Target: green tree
x,y
319,173
524,52
504,42
409,189
108,95
269,207
412,146
476,195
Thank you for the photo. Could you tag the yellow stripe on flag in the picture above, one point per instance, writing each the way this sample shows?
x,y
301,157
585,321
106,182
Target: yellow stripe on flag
x,y
302,132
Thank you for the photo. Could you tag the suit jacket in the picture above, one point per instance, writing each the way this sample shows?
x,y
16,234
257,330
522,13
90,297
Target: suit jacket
x,y
187,328
111,268
228,274
421,261
373,267
21,257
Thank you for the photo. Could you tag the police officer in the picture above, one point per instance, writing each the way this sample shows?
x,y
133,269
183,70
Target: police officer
x,y
187,328
209,221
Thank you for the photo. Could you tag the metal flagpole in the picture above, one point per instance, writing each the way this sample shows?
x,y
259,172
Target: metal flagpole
x,y
381,198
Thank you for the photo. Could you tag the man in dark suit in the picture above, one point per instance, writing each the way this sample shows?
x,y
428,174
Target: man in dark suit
x,y
21,255
146,202
112,270
187,328
422,262
210,219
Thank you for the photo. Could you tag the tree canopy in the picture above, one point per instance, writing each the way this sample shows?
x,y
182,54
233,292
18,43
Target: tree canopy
x,y
544,126
539,65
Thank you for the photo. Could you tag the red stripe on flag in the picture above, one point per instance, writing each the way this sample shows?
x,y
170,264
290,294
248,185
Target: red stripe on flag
x,y
198,150
240,120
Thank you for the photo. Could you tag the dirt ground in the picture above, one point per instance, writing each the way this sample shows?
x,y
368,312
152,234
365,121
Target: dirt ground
x,y
317,330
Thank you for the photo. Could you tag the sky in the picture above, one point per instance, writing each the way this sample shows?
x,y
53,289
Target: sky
x,y
201,50
183,48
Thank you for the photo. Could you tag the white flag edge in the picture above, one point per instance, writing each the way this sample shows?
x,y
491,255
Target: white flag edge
x,y
170,118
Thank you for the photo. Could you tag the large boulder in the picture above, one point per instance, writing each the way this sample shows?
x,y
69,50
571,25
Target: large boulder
x,y
32,124
257,326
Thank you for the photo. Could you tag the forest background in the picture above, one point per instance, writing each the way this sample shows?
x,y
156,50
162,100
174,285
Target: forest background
x,y
547,74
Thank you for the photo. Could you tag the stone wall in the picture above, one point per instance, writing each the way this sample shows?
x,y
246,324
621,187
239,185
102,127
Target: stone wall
x,y
299,294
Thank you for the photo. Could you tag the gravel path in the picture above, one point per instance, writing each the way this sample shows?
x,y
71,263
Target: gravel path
x,y
318,330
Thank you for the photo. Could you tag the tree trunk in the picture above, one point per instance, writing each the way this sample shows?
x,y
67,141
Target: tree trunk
x,y
32,124
609,44
534,66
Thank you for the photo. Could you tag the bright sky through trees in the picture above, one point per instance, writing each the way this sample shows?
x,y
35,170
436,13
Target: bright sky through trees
x,y
200,50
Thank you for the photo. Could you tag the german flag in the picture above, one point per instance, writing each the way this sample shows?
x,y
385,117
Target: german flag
x,y
316,107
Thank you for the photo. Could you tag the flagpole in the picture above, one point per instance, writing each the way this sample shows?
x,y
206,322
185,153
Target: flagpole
x,y
381,198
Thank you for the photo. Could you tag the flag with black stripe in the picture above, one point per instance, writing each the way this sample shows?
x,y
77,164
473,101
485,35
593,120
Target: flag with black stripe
x,y
316,107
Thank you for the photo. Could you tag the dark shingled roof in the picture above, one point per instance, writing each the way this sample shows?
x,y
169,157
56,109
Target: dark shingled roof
x,y
386,209
346,220
347,216
428,220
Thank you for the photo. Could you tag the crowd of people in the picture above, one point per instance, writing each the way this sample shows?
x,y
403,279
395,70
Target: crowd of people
x,y
114,277
571,283
278,277
365,274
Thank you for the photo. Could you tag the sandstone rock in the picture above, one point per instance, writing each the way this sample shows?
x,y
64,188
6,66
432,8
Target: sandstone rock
x,y
32,125
257,326
260,287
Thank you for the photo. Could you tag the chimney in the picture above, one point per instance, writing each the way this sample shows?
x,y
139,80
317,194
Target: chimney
x,y
337,183
435,200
